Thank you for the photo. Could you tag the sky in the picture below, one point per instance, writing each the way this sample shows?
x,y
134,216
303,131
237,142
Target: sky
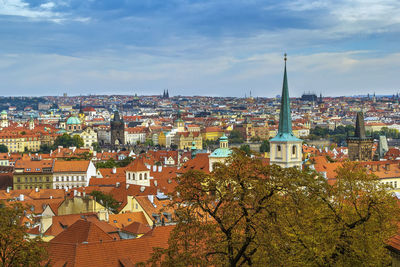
x,y
199,47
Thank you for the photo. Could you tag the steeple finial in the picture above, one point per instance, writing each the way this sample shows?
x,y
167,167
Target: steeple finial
x,y
285,58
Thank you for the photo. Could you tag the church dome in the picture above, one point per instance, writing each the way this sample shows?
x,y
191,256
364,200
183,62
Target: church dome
x,y
4,112
73,120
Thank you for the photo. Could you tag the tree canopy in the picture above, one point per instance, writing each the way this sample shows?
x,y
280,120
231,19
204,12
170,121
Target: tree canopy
x,y
16,249
246,213
66,140
3,148
236,137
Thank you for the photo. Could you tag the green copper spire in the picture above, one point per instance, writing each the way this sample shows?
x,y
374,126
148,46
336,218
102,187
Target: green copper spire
x,y
285,118
285,132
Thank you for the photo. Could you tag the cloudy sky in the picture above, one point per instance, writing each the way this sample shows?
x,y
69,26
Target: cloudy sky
x,y
199,47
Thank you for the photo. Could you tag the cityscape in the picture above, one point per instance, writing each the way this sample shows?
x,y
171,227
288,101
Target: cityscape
x,y
187,133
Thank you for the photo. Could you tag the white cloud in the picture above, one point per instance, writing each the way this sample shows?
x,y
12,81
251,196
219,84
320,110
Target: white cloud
x,y
23,9
45,11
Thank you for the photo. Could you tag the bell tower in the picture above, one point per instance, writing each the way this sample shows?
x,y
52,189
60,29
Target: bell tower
x,y
286,148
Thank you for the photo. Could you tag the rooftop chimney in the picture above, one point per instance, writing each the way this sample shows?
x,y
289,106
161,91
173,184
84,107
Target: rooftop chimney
x,y
21,197
114,170
151,198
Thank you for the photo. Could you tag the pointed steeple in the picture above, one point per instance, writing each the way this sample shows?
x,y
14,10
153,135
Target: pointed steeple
x,y
285,118
360,127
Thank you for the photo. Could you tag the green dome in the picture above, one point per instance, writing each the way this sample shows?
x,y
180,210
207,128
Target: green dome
x,y
73,120
223,138
4,112
221,153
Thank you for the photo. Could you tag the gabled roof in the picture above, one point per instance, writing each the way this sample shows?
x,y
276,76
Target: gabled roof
x,y
71,166
137,228
82,231
137,166
109,253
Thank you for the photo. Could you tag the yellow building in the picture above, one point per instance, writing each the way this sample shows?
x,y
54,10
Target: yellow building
x,y
212,133
185,140
162,139
17,143
29,174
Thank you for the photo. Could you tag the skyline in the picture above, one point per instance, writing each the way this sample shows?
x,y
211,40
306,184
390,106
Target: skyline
x,y
223,48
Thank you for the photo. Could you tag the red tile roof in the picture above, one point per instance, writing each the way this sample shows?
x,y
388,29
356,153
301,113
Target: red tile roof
x,y
109,253
82,231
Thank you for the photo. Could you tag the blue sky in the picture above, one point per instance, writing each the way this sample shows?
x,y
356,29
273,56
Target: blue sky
x,y
199,47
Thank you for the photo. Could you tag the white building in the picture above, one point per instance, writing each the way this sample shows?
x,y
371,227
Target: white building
x,y
72,174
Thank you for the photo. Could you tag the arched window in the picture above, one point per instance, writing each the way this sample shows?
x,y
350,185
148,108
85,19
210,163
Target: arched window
x,y
279,148
129,175
133,176
140,176
145,176
294,150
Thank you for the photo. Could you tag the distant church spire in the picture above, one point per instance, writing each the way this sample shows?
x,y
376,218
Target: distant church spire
x,y
285,118
360,127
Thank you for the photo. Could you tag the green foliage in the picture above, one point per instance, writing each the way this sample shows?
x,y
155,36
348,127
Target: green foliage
x,y
45,148
112,163
389,133
236,137
16,249
66,140
210,143
149,142
106,200
338,135
246,149
264,146
247,213
3,148
96,147
106,165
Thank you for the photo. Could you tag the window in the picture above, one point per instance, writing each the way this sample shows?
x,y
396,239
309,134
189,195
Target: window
x,y
294,150
279,148
395,184
137,206
145,176
47,179
129,219
129,175
18,179
133,176
140,176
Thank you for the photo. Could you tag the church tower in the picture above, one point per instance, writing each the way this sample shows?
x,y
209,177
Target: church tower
x,y
360,145
286,149
117,131
31,123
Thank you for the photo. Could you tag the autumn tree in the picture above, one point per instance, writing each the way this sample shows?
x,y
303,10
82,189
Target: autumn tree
x,y
16,249
246,213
